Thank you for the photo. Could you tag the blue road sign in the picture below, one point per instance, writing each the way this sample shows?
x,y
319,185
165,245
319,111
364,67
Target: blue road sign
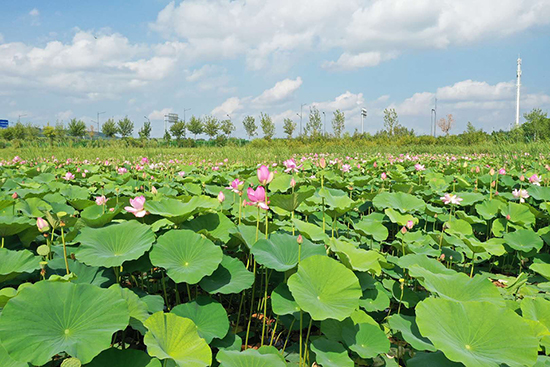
x,y
4,124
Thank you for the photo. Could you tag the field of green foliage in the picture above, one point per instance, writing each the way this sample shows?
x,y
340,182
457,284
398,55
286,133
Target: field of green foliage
x,y
243,257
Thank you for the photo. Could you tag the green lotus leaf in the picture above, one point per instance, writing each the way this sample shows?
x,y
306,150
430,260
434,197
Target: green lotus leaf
x,y
325,288
469,198
335,330
33,207
406,325
113,357
84,273
7,361
113,245
437,359
208,315
136,307
282,301
330,354
13,263
10,225
371,225
489,209
405,203
247,234
357,258
523,240
310,231
54,317
178,211
290,202
231,276
367,340
6,294
541,268
375,299
71,362
213,225
187,256
281,250
458,227
175,337
542,361
281,182
538,309
249,358
401,219
479,334
519,214
406,296
230,342
96,216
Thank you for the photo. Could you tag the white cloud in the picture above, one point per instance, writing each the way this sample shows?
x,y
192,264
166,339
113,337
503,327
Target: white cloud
x,y
348,61
1,38
159,114
470,89
34,13
228,107
64,115
366,31
282,91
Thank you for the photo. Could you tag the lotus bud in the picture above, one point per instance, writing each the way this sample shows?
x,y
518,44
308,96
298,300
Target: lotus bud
x,y
42,225
508,217
221,197
410,224
383,176
14,196
522,178
442,257
300,239
154,190
493,183
322,163
478,169
404,230
292,182
492,171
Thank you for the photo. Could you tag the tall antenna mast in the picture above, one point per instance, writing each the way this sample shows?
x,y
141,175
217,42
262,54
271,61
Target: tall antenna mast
x,y
518,91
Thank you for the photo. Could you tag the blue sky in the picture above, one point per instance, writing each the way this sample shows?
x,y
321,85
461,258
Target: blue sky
x,y
64,59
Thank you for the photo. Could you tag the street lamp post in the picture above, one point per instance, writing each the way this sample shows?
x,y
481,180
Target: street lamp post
x,y
301,108
99,113
434,121
19,117
185,110
363,116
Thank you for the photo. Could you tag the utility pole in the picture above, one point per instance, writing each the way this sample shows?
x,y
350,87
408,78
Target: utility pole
x,y
19,117
184,110
363,116
518,91
324,123
434,110
99,113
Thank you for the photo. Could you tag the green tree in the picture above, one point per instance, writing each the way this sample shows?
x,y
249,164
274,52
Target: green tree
x,y
195,126
60,131
145,131
167,136
288,127
109,128
76,128
125,127
211,126
49,132
268,127
19,131
536,125
227,127
338,123
314,125
178,130
250,126
391,121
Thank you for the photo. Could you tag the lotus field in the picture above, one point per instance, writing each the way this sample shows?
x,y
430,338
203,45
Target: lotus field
x,y
316,260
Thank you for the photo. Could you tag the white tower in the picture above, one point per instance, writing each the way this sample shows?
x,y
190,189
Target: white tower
x,y
518,90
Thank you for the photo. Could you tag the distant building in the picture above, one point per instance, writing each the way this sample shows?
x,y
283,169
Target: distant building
x,y
4,124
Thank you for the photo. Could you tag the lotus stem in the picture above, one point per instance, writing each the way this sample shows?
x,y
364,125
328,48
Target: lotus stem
x,y
164,290
251,305
274,330
265,306
239,313
64,251
288,335
306,357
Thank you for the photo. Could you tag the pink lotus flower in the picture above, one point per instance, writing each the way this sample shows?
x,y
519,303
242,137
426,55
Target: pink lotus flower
x,y
257,197
535,180
410,224
451,199
291,166
236,186
101,200
181,173
419,167
264,176
68,176
221,197
42,225
346,168
136,207
520,194
383,176
144,160
122,170
502,171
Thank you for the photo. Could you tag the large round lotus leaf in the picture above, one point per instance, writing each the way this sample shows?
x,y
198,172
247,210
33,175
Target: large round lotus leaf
x,y
13,263
178,211
209,316
84,273
7,361
357,258
10,225
405,203
524,240
124,358
282,301
187,257
213,225
136,306
325,288
281,250
371,225
53,317
406,325
113,245
230,277
310,230
489,209
330,354
541,268
479,334
437,359
519,214
249,358
97,216
366,339
175,337
538,309
375,299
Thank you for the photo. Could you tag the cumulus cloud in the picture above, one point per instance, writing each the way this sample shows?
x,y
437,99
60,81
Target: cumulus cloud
x,y
279,93
367,31
34,13
64,115
159,114
228,107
